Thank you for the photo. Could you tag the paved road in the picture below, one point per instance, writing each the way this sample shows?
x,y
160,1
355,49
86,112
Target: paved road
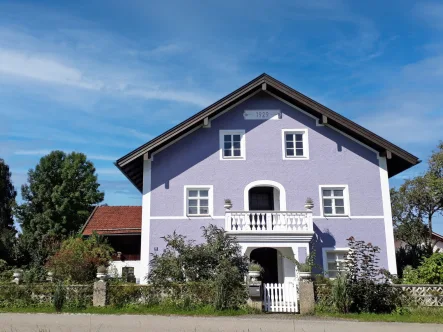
x,y
138,323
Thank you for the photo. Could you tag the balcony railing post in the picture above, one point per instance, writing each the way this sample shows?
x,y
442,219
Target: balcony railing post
x,y
228,218
269,221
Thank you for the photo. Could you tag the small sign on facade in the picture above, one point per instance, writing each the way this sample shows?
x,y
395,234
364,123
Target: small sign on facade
x,y
262,114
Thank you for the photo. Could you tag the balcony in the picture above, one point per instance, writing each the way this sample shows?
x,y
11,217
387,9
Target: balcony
x,y
271,222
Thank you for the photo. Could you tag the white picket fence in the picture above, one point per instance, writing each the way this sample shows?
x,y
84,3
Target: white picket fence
x,y
280,297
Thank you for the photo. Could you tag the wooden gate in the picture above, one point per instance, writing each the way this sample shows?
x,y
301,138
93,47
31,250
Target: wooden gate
x,y
280,297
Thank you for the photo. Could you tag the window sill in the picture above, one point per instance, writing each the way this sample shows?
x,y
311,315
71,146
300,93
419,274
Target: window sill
x,y
296,158
233,158
335,215
198,216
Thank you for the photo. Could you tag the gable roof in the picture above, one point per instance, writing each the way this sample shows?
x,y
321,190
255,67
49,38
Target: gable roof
x,y
437,237
398,159
107,220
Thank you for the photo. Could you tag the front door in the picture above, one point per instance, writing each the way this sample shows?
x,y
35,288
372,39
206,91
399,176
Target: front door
x,y
261,199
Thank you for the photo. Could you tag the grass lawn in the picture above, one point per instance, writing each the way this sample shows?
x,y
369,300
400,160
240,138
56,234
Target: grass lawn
x,y
136,310
416,315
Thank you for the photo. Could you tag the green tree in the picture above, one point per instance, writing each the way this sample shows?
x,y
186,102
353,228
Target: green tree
x,y
59,196
418,201
7,203
429,272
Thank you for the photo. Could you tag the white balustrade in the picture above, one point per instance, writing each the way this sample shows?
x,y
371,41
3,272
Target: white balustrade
x,y
268,221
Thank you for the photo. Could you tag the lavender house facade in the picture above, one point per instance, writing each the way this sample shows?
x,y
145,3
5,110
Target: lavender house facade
x,y
267,148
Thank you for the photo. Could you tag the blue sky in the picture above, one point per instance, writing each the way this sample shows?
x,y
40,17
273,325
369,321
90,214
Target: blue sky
x,y
103,77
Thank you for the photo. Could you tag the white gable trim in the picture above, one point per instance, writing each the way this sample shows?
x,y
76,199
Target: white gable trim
x,y
318,124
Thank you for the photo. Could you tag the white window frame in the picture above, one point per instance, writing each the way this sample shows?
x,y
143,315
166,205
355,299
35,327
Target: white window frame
x,y
345,189
240,132
304,132
325,252
187,188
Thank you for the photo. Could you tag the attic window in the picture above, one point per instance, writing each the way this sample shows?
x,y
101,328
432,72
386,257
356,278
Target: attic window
x,y
232,145
295,144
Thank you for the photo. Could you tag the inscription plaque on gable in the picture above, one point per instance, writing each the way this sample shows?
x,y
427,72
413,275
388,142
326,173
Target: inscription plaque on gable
x,y
262,114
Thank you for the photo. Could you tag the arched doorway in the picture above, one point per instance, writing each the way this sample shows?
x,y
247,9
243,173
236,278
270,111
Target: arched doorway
x,y
267,258
264,195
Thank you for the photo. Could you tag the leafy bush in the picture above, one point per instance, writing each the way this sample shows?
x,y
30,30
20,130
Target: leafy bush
x,y
59,297
218,261
341,294
429,272
78,258
364,287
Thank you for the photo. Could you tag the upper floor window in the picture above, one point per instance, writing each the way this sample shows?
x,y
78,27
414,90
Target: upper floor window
x,y
295,144
335,200
334,261
232,144
198,200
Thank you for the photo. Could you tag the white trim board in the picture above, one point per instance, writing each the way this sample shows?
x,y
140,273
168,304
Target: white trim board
x,y
223,217
389,230
146,220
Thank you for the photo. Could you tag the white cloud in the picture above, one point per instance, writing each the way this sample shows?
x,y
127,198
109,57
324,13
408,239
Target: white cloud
x,y
431,13
32,152
101,157
43,69
108,171
45,152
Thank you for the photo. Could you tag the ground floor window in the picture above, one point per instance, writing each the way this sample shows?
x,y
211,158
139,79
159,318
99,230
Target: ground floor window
x,y
334,261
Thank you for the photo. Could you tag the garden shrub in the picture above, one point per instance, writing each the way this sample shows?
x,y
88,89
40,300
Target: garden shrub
x,y
218,262
341,296
121,295
363,286
42,295
78,258
429,272
20,296
59,297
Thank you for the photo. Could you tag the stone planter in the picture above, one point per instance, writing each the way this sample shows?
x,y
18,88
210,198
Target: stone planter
x,y
17,275
305,275
254,275
228,205
309,206
101,276
50,277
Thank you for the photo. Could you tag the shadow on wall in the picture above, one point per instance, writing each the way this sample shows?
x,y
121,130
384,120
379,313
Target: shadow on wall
x,y
321,240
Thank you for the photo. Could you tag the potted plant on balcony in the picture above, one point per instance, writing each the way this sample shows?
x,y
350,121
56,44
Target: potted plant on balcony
x,y
228,204
255,271
309,204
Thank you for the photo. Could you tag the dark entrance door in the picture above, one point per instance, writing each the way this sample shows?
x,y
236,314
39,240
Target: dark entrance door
x,y
267,258
261,199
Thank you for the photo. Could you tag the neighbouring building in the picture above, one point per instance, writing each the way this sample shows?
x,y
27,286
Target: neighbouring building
x,y
121,226
437,240
266,148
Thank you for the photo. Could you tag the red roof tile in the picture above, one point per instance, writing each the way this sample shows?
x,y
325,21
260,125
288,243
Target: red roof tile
x,y
114,220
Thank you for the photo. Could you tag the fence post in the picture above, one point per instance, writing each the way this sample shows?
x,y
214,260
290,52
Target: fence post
x,y
307,300
100,294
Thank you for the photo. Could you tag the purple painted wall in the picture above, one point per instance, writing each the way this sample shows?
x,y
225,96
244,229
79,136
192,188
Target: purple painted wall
x,y
334,159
